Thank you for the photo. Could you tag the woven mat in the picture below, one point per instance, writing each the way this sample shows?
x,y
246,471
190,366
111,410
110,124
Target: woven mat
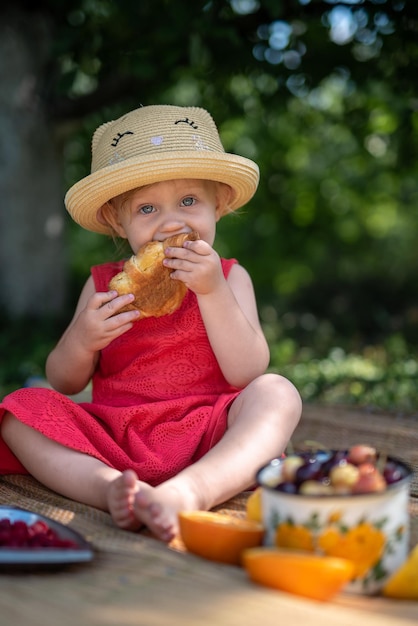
x,y
96,526
137,580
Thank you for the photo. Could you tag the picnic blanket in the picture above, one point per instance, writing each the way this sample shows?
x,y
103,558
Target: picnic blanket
x,y
135,579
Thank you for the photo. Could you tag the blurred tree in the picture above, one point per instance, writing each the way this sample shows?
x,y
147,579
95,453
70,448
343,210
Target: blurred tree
x,y
32,257
321,93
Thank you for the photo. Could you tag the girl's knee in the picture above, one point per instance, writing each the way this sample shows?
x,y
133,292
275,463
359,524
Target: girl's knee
x,y
278,385
272,393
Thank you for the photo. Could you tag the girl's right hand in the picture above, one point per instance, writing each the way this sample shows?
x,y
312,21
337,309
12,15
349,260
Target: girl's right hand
x,y
99,322
96,322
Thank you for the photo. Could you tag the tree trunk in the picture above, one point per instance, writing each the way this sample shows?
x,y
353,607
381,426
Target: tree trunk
x,y
32,255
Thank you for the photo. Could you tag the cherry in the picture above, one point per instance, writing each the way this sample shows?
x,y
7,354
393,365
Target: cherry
x,y
370,480
286,487
362,454
315,488
338,472
392,472
308,471
344,475
338,457
290,465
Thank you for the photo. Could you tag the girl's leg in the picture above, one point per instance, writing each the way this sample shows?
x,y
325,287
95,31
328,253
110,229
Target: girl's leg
x,y
73,474
261,421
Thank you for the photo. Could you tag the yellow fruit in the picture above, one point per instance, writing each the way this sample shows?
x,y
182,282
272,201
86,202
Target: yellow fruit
x,y
254,511
218,537
403,584
310,575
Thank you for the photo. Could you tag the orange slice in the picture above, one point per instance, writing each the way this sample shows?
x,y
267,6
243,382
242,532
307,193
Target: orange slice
x,y
310,575
218,537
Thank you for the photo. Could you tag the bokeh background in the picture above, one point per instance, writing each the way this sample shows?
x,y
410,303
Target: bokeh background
x,y
322,94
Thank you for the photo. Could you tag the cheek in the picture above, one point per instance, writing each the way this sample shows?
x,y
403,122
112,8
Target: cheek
x,y
207,233
138,242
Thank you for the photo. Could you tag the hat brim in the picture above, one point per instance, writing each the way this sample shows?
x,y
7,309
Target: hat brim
x,y
84,199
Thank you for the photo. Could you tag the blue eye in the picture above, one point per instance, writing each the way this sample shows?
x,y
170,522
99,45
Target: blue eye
x,y
189,201
146,209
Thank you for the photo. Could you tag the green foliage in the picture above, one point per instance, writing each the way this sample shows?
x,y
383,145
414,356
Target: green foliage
x,y
331,230
323,95
24,346
381,376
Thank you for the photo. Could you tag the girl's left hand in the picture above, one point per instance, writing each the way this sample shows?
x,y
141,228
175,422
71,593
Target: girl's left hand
x,y
197,265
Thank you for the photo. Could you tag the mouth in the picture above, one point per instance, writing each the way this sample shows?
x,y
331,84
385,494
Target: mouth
x,y
176,234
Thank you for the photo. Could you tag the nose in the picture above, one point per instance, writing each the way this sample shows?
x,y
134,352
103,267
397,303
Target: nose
x,y
172,225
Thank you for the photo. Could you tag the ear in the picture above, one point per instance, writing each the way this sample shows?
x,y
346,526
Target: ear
x,y
224,196
107,215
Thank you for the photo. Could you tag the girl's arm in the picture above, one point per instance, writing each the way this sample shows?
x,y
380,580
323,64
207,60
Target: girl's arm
x,y
230,316
95,324
228,308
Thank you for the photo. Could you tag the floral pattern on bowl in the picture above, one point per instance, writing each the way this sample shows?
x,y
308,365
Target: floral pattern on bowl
x,y
372,529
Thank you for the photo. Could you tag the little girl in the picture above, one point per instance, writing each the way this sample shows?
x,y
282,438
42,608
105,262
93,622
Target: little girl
x,y
182,412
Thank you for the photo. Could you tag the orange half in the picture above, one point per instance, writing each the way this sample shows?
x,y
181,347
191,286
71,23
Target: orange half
x,y
219,537
304,574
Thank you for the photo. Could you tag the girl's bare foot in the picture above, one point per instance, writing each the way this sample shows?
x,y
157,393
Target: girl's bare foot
x,y
120,499
158,507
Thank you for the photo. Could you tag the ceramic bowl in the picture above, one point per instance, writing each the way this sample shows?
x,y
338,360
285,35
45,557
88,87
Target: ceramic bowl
x,y
372,529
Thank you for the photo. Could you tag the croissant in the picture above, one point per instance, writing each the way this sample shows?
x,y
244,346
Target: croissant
x,y
145,276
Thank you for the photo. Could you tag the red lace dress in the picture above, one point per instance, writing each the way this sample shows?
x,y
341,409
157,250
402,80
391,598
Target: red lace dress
x,y
159,400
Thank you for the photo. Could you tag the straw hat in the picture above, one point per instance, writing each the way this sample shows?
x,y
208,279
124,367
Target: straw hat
x,y
151,144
